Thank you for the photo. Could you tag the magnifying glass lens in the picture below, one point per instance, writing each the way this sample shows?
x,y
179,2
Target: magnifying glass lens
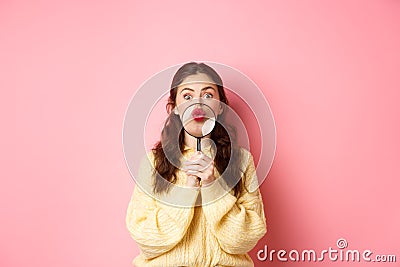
x,y
198,114
198,120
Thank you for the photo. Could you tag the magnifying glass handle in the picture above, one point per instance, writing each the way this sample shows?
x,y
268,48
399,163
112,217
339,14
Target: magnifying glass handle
x,y
198,149
198,144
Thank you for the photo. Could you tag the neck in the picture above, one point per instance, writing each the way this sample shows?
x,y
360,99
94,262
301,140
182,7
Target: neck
x,y
192,141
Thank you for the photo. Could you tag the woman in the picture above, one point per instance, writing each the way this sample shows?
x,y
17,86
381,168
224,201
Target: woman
x,y
214,226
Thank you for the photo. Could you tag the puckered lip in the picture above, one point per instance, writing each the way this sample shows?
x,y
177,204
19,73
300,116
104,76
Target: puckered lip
x,y
198,114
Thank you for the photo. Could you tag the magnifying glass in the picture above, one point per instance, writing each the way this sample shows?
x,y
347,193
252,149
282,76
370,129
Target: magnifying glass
x,y
198,120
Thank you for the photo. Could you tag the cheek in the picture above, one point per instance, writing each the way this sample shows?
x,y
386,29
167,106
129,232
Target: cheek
x,y
181,105
215,108
216,104
180,102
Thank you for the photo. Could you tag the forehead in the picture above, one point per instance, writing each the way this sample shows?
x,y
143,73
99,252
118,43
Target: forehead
x,y
196,80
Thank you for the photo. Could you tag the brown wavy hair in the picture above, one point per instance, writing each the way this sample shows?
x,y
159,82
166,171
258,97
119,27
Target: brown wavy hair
x,y
225,143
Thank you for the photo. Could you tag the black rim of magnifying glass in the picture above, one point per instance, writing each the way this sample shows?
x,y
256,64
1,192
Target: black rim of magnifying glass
x,y
198,147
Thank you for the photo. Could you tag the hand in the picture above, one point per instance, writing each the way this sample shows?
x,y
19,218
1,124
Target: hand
x,y
192,181
201,167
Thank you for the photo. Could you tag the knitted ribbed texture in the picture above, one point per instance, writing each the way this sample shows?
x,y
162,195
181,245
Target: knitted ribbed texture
x,y
218,233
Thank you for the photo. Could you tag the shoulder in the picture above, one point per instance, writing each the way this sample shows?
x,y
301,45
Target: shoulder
x,y
146,168
246,158
250,179
144,177
147,160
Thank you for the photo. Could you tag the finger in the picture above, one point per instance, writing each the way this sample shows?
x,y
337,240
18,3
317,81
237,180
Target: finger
x,y
193,172
192,166
196,168
202,157
196,162
195,156
198,157
197,174
201,176
204,162
192,162
194,180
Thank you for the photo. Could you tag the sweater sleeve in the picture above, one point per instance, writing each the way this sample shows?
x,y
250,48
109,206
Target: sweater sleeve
x,y
237,223
156,227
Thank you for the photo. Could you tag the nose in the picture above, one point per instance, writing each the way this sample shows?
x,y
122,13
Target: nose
x,y
200,100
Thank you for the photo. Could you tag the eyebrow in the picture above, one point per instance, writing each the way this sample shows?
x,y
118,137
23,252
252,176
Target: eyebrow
x,y
190,89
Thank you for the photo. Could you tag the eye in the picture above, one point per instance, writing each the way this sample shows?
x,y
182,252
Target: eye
x,y
187,97
208,95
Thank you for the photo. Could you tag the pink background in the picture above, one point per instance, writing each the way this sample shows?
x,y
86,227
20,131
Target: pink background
x,y
329,70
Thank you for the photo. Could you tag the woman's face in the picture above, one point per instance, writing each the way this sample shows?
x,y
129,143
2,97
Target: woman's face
x,y
197,99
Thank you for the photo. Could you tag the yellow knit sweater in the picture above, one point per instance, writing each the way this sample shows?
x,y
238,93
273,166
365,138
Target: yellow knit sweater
x,y
216,233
